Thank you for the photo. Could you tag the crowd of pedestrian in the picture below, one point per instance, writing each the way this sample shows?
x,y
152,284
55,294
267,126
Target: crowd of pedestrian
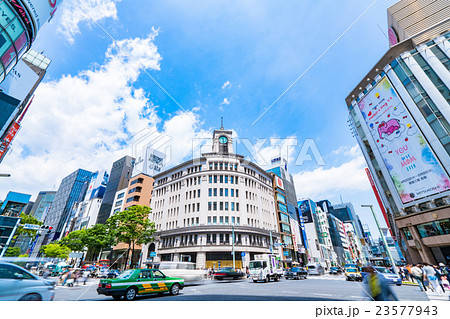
x,y
433,277
70,277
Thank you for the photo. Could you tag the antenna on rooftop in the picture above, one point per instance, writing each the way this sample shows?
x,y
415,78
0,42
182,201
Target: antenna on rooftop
x,y
221,123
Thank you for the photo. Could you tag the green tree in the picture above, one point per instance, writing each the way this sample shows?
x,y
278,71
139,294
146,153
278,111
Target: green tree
x,y
75,240
12,252
99,237
56,250
132,227
27,219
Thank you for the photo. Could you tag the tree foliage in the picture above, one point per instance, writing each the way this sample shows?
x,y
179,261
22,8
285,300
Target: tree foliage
x,y
56,250
132,226
99,237
27,219
75,240
12,252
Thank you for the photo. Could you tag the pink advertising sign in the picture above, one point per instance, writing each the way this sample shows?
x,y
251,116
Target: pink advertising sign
x,y
413,167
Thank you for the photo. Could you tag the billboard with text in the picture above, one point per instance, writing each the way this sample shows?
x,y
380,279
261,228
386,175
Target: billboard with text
x,y
412,165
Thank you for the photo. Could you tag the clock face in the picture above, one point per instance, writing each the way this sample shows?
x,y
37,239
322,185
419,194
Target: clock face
x,y
223,139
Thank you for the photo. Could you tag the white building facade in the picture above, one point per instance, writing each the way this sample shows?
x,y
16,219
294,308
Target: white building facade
x,y
198,205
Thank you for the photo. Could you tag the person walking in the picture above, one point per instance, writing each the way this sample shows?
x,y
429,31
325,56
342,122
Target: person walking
x,y
408,269
85,276
430,276
376,287
439,276
417,274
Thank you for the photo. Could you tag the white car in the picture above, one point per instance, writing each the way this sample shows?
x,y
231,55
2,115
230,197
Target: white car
x,y
185,270
17,283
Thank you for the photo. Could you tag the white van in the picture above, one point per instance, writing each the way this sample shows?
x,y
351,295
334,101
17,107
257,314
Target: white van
x,y
315,269
180,269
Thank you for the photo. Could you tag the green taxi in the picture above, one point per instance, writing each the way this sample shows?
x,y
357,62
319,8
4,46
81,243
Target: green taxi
x,y
133,282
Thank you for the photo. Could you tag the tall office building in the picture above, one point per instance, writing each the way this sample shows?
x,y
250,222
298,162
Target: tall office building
x,y
400,115
42,204
119,178
71,190
289,223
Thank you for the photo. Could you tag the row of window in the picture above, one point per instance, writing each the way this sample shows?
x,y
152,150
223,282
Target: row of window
x,y
223,179
431,229
222,166
223,206
222,192
193,194
223,220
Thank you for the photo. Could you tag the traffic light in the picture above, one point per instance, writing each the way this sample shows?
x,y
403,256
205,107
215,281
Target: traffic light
x,y
48,228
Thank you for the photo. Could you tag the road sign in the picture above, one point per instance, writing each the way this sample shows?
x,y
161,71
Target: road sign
x,y
243,254
31,226
285,253
153,254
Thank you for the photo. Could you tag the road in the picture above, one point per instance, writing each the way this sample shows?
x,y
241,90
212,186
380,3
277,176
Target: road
x,y
320,288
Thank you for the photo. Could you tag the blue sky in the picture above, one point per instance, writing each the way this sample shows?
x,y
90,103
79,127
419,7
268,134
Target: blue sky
x,y
228,59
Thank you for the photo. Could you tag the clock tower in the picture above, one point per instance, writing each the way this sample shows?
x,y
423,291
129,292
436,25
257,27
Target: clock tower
x,y
222,141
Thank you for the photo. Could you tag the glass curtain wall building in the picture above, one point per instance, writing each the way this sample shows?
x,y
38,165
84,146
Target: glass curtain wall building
x,y
400,114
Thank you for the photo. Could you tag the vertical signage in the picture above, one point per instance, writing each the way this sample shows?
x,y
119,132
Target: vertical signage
x,y
8,138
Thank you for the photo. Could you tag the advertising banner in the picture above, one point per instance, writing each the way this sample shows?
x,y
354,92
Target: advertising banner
x,y
413,167
19,82
8,138
97,185
41,10
279,182
305,211
296,237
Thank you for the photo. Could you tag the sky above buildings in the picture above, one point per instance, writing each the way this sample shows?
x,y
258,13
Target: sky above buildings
x,y
128,71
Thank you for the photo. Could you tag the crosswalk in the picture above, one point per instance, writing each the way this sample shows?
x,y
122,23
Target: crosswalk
x,y
80,285
438,296
328,277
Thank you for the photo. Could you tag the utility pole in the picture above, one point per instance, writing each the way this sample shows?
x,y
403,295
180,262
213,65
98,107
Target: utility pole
x,y
383,238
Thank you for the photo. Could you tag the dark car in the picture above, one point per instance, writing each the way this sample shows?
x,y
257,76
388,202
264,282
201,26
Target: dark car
x,y
335,271
112,273
296,273
227,273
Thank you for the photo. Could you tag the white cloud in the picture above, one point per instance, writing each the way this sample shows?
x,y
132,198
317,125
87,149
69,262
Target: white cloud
x,y
348,177
86,121
225,102
227,84
72,15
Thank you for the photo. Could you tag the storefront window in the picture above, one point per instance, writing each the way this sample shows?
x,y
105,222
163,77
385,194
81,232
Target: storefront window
x,y
436,228
407,233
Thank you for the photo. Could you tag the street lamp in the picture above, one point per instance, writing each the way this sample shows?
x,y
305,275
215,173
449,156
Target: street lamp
x,y
383,238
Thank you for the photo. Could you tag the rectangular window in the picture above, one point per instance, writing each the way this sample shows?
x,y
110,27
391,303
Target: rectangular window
x,y
197,221
210,192
226,220
236,180
215,178
221,206
226,205
237,207
215,206
226,179
198,193
210,179
215,191
407,233
221,192
209,205
232,207
209,220
198,207
232,220
214,219
232,192
238,220
237,193
221,220
226,191
221,178
231,179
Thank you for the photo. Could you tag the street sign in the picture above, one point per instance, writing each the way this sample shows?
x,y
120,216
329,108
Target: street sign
x,y
153,254
31,226
285,253
243,254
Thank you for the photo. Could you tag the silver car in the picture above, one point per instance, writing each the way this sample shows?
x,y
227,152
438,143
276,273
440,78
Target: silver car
x,y
17,283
